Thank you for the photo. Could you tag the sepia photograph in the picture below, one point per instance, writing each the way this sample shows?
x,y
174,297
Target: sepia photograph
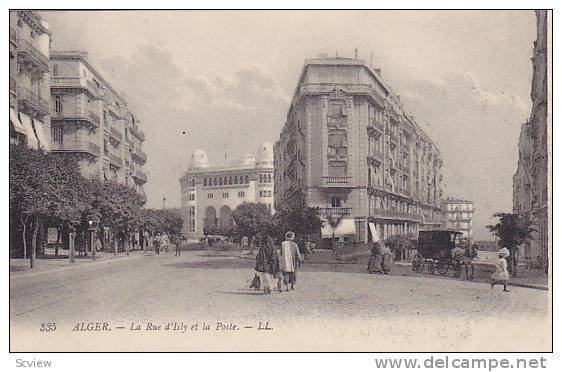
x,y
280,181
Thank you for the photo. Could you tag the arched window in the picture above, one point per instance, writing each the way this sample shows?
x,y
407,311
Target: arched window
x,y
225,182
220,181
230,180
204,182
215,181
246,179
236,180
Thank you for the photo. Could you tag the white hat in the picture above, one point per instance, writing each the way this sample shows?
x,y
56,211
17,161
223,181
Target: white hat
x,y
504,252
290,235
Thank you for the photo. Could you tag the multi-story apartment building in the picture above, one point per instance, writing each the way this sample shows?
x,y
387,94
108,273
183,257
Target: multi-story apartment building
x,y
30,41
457,215
349,149
91,119
209,195
530,182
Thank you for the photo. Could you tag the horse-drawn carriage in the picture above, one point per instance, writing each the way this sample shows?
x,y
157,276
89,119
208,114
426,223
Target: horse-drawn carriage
x,y
441,251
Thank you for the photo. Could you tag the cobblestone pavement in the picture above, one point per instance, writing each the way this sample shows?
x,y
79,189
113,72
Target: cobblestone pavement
x,y
328,311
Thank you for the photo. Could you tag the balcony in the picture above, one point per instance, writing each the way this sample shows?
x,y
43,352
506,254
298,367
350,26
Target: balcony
x,y
396,215
116,133
137,132
139,156
115,160
31,103
84,115
358,89
140,176
74,82
394,138
331,181
116,111
85,147
27,53
330,211
13,36
375,125
375,157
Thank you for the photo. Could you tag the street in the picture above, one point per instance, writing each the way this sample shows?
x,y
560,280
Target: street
x,y
327,311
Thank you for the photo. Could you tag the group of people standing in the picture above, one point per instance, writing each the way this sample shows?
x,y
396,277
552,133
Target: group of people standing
x,y
379,262
277,266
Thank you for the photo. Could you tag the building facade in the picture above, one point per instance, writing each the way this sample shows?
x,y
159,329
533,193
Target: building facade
x,y
30,41
530,182
457,215
209,195
349,149
90,119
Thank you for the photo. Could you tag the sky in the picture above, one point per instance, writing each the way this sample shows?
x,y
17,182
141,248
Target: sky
x,y
216,80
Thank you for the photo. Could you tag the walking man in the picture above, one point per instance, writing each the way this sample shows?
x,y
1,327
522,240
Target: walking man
x,y
290,259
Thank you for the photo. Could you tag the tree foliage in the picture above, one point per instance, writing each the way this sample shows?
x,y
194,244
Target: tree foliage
x,y
303,221
252,219
512,231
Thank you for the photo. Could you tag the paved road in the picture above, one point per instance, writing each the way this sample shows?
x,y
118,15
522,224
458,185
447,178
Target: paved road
x,y
328,311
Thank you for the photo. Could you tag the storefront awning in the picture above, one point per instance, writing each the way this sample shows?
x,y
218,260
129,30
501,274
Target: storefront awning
x,y
29,133
18,127
345,227
374,232
41,135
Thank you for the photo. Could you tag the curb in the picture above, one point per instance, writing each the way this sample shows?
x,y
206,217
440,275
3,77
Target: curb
x,y
70,266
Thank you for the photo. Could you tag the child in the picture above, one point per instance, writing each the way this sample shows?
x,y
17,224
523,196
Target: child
x,y
501,276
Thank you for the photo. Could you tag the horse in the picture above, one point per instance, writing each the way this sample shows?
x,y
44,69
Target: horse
x,y
466,258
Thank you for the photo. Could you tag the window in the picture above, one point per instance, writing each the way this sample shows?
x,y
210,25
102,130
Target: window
x,y
269,193
57,134
55,69
191,197
230,180
225,195
220,181
337,169
336,202
269,178
261,193
210,195
246,179
241,194
225,182
337,143
215,181
204,182
236,180
105,149
58,104
261,178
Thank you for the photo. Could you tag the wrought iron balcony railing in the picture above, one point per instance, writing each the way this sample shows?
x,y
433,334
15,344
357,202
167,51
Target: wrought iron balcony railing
x,y
28,53
31,102
329,211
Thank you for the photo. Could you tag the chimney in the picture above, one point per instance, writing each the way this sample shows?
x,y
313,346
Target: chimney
x,y
356,53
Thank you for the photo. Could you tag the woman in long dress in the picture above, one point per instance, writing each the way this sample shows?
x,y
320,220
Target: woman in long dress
x,y
501,275
265,264
386,259
374,265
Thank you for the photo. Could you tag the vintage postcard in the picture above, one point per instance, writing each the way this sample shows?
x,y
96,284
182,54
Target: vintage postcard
x,y
280,180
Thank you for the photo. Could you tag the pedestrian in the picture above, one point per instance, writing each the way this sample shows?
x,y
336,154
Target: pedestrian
x,y
265,265
386,259
98,246
312,246
501,275
177,243
375,260
277,269
290,259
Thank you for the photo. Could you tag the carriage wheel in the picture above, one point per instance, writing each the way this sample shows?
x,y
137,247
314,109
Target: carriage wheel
x,y
431,267
417,263
442,268
458,269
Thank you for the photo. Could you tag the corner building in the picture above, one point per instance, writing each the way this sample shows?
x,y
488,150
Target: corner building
x,y
209,195
91,119
457,215
349,149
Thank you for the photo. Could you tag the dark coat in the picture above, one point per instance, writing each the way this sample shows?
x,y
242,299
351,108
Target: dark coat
x,y
265,259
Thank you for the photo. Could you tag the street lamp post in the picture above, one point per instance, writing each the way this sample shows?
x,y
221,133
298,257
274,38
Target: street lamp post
x,y
71,246
91,230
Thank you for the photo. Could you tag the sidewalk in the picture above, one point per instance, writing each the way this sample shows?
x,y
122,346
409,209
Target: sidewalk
x,y
20,267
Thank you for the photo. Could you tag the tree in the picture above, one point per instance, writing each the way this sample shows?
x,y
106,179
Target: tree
x,y
43,187
252,219
303,221
512,231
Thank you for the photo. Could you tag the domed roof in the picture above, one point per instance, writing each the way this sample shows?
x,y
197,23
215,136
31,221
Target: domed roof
x,y
265,153
199,159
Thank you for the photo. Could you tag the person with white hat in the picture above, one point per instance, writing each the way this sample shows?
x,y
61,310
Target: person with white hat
x,y
289,259
501,275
